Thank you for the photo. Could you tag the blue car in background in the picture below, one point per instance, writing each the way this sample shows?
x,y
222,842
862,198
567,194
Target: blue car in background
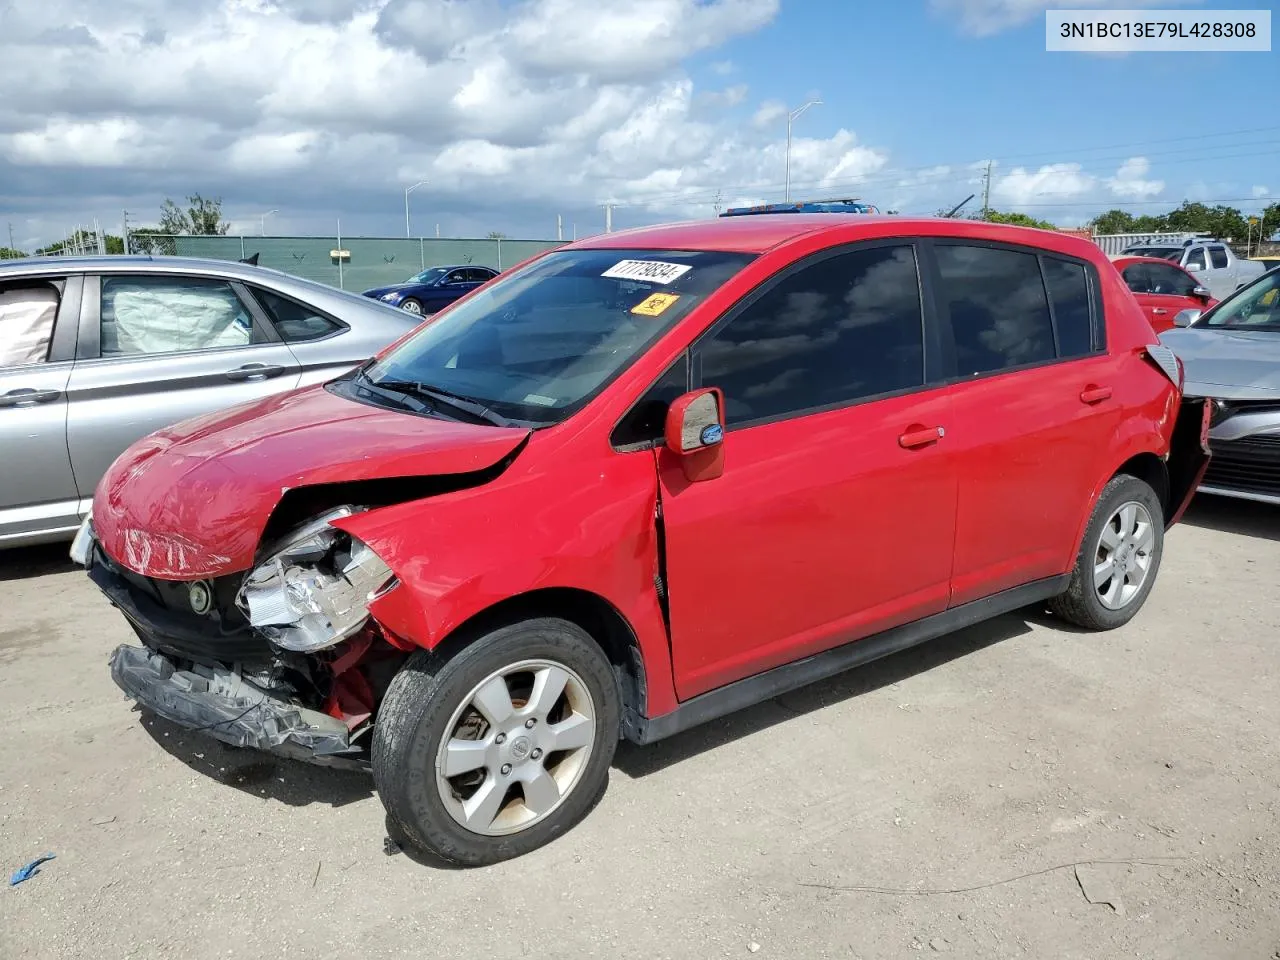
x,y
432,289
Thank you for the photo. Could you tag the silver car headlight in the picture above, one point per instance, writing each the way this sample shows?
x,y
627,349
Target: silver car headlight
x,y
315,589
390,297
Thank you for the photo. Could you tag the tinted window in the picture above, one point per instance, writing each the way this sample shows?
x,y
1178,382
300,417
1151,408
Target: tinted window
x,y
1218,257
457,276
26,324
1171,281
1195,259
999,312
1072,312
149,315
293,321
647,419
479,275
538,343
1137,278
838,330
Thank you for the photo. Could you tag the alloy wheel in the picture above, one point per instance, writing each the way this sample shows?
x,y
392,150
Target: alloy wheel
x,y
1123,557
516,747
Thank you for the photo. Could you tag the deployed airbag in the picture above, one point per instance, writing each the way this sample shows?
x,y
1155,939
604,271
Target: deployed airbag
x,y
26,325
160,316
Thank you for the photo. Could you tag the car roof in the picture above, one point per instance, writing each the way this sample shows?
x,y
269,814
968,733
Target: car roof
x,y
160,264
1128,259
759,233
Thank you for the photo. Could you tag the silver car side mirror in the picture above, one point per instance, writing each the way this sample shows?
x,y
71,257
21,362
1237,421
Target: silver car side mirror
x,y
1202,292
1186,318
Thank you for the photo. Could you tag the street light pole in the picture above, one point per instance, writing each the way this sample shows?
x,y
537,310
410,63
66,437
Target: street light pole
x,y
264,220
409,190
791,117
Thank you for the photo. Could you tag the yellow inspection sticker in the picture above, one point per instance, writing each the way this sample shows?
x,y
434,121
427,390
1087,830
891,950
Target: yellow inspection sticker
x,y
654,305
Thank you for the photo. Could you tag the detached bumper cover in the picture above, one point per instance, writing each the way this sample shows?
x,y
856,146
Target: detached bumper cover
x,y
224,705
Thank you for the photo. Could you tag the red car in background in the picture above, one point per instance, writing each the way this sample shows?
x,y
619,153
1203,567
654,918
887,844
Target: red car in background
x,y
1163,289
643,481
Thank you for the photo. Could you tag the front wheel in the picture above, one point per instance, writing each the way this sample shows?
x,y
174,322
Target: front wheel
x,y
410,305
1118,559
500,749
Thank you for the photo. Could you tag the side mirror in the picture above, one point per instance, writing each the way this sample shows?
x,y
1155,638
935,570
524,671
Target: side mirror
x,y
1184,318
1202,292
695,433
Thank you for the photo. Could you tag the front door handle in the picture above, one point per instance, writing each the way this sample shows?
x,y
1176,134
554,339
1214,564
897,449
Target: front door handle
x,y
1092,394
918,436
27,396
1159,311
255,371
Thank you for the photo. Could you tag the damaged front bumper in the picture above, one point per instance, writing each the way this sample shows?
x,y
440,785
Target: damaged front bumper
x,y
221,703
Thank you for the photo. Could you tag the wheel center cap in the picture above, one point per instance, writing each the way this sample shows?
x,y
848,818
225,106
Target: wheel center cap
x,y
521,747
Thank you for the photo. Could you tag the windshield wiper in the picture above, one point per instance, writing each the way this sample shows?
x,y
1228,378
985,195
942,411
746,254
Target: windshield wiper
x,y
444,398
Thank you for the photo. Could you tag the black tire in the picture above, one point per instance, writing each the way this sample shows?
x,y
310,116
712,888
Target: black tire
x,y
421,701
404,305
1080,604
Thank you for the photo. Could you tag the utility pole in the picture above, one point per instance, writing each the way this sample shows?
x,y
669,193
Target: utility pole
x,y
124,228
717,203
11,246
608,217
986,192
559,227
791,118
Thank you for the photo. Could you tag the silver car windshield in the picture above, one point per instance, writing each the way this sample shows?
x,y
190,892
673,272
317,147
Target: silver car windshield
x,y
537,344
1254,308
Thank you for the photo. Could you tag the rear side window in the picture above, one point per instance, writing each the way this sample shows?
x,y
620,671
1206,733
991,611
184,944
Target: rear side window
x,y
998,307
153,315
1218,257
26,324
1072,311
295,322
842,329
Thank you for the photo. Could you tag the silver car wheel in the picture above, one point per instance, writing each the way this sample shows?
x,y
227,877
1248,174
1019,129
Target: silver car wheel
x,y
412,306
515,747
1122,559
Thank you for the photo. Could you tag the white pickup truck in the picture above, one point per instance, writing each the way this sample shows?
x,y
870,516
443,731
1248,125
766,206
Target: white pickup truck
x,y
1211,262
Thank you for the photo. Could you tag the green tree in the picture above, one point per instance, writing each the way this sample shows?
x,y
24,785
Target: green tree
x,y
497,235
202,217
83,239
151,240
9,253
1270,222
1113,221
1016,219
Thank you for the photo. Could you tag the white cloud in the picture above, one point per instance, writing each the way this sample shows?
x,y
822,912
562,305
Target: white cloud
x,y
985,17
769,113
1260,192
1052,182
1131,183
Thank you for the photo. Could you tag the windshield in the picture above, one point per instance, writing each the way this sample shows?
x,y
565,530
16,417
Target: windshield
x,y
536,345
1164,253
428,276
1256,307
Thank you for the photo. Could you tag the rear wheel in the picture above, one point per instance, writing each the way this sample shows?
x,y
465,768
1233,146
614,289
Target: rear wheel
x,y
1119,558
500,749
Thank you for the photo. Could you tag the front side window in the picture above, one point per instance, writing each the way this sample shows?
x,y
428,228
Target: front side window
x,y
842,329
1171,281
27,315
999,311
295,322
1254,308
428,276
1137,277
1218,257
537,344
1195,259
152,315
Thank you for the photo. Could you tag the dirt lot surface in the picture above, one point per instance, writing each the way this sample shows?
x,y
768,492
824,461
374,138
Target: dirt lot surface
x,y
925,804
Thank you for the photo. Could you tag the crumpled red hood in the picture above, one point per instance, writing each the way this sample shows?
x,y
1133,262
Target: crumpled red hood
x,y
192,500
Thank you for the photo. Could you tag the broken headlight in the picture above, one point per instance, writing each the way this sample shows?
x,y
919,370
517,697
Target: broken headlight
x,y
315,588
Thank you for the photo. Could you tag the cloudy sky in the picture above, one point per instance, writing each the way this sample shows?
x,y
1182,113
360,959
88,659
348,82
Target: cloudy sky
x,y
515,111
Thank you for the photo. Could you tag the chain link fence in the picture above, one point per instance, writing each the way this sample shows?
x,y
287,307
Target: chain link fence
x,y
352,263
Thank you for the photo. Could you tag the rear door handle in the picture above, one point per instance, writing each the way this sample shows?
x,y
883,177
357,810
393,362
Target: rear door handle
x,y
27,396
918,436
1092,394
255,371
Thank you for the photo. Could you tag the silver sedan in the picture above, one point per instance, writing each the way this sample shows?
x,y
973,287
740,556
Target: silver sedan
x,y
97,352
1231,354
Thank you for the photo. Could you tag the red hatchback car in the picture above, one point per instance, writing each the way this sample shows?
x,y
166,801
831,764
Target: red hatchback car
x,y
638,483
1162,289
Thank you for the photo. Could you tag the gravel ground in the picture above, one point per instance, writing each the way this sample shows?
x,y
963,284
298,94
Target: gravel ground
x,y
931,803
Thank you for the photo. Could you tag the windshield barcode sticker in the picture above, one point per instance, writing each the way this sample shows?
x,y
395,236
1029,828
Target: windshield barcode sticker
x,y
649,271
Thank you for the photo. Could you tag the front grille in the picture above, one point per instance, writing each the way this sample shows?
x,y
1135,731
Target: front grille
x,y
1248,465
